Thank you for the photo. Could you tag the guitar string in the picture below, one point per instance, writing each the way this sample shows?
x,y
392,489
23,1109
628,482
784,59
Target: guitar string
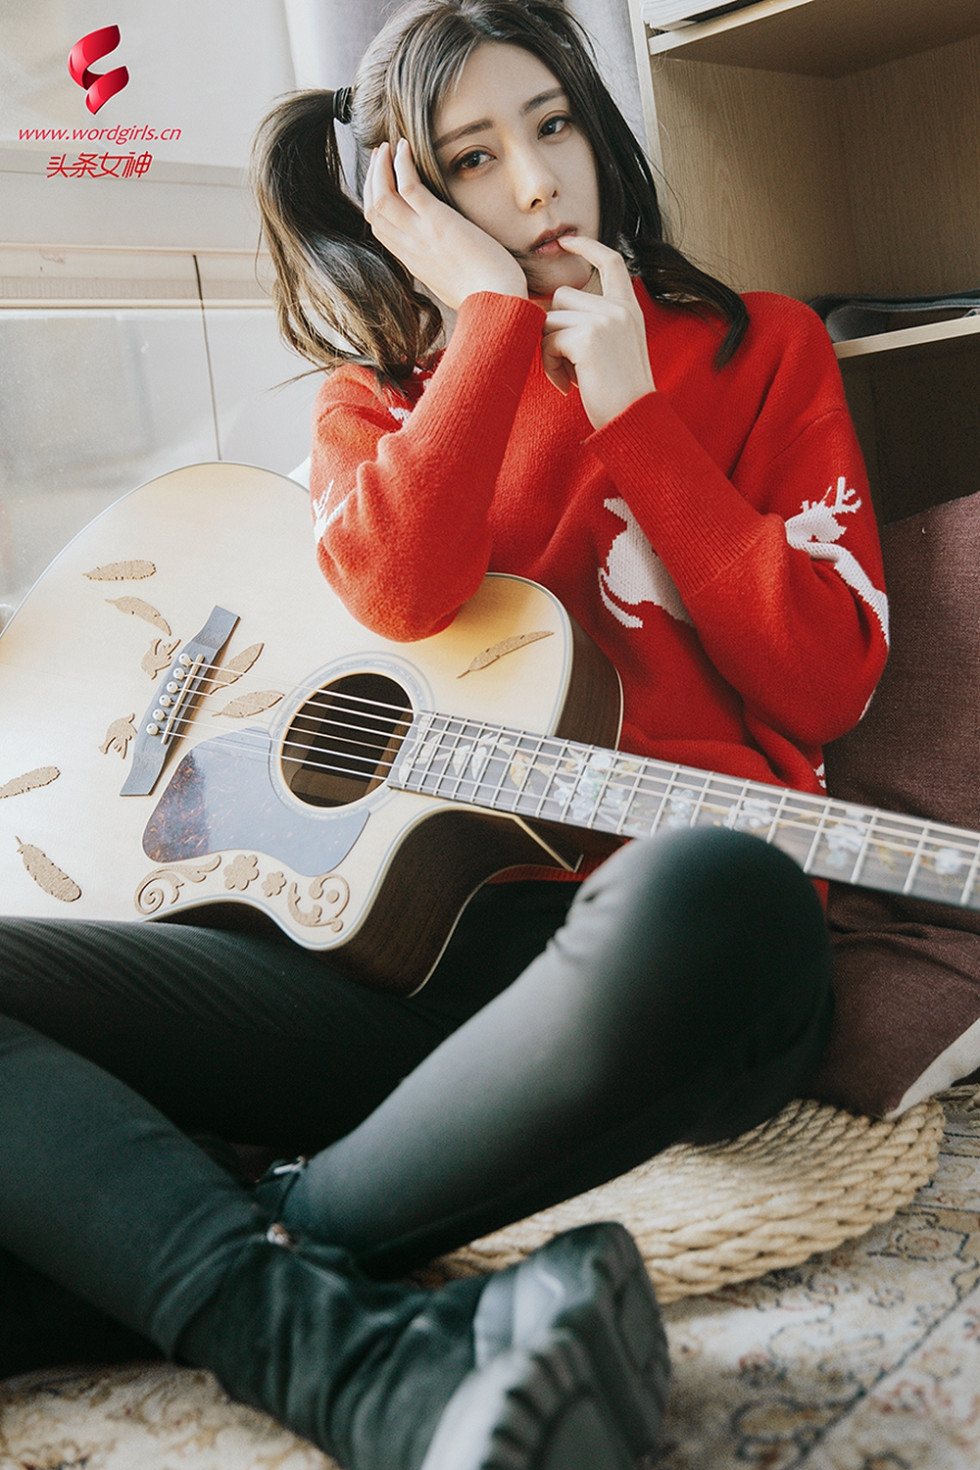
x,y
331,700
646,785
210,674
896,839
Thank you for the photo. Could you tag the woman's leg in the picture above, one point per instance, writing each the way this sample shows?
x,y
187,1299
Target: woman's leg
x,y
687,997
42,1324
562,1358
257,1040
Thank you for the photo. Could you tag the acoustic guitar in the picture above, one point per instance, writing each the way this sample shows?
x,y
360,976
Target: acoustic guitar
x,y
194,728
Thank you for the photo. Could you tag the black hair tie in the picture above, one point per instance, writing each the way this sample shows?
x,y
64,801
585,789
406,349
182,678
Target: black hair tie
x,y
342,104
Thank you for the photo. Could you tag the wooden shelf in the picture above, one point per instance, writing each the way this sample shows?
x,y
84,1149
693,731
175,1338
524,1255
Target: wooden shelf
x,y
830,147
831,39
939,335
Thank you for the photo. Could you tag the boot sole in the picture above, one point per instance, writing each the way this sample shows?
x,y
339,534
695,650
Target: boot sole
x,y
572,1363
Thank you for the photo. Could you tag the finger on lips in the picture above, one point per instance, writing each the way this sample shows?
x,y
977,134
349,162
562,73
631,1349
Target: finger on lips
x,y
613,275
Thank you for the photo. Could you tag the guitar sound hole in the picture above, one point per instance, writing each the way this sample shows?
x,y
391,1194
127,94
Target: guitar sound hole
x,y
342,742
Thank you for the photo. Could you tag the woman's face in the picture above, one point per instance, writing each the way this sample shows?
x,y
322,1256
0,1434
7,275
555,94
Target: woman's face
x,y
517,164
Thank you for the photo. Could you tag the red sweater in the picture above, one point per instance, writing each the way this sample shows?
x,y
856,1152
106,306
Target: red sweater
x,y
716,538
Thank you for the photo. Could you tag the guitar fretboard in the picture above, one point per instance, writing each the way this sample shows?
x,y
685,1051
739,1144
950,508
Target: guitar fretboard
x,y
584,786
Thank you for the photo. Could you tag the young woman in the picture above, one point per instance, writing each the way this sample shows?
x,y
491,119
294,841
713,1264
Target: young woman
x,y
679,467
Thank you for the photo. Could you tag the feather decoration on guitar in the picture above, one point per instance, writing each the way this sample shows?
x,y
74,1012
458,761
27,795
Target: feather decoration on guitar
x,y
354,791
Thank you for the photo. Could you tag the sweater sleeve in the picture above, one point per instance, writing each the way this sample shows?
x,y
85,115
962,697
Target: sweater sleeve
x,y
779,565
401,499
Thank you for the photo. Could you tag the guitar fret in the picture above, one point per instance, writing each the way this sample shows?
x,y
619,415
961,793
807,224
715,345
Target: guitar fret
x,y
441,754
776,819
532,801
671,782
500,792
732,817
815,844
589,777
601,795
941,855
561,794
457,760
794,831
699,804
777,816
971,877
423,742
624,816
541,777
482,764
915,864
865,848
644,788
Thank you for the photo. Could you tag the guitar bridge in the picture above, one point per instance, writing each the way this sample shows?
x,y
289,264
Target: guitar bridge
x,y
171,707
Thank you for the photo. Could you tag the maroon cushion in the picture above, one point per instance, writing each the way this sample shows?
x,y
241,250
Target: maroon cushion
x,y
907,977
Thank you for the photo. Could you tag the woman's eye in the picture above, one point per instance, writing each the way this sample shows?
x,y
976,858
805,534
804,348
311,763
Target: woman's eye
x,y
555,125
470,160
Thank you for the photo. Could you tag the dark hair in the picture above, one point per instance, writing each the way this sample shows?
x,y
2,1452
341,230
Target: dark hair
x,y
340,295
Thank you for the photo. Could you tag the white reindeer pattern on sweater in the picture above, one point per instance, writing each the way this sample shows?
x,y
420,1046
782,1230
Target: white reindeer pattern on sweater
x,y
633,572
816,530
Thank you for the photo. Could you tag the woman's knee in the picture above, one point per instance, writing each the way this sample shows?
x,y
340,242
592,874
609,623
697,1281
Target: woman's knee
x,y
704,943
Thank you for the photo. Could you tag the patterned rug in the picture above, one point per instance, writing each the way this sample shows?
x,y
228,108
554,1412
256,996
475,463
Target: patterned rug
x,y
866,1357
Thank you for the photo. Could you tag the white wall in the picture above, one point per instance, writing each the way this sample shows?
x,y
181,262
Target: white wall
x,y
208,68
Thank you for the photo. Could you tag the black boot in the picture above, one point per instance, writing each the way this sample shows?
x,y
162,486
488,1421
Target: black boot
x,y
557,1364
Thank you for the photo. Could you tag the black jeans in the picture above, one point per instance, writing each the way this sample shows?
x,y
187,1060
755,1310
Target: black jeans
x,y
683,995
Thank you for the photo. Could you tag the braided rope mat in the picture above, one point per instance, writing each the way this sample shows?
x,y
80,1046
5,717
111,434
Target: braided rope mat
x,y
802,1182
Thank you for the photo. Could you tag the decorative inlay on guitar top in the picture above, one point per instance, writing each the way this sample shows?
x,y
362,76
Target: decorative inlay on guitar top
x,y
336,899
233,670
500,650
240,872
122,571
137,608
119,734
163,885
157,656
327,894
29,781
249,704
46,874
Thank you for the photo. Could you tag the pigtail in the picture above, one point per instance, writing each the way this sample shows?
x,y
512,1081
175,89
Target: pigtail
x,y
339,295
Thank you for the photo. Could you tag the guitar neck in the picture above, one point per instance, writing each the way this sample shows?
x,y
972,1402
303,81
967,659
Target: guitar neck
x,y
581,786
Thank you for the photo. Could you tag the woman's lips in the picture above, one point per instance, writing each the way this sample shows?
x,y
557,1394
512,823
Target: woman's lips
x,y
548,244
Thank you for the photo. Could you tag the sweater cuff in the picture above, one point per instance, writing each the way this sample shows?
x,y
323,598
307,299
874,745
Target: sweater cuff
x,y
496,334
696,520
481,375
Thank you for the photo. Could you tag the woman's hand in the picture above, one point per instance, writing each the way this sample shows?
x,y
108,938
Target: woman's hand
x,y
598,340
440,247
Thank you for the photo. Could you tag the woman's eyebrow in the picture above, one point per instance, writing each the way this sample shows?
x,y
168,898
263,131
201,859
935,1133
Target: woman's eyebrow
x,y
486,122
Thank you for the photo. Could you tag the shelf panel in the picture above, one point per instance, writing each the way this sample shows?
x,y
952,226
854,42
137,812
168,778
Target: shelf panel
x,y
829,38
937,334
55,275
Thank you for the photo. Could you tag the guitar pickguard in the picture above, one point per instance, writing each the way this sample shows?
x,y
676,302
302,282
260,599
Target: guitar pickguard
x,y
221,796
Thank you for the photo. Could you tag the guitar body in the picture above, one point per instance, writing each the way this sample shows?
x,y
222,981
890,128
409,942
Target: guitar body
x,y
194,609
